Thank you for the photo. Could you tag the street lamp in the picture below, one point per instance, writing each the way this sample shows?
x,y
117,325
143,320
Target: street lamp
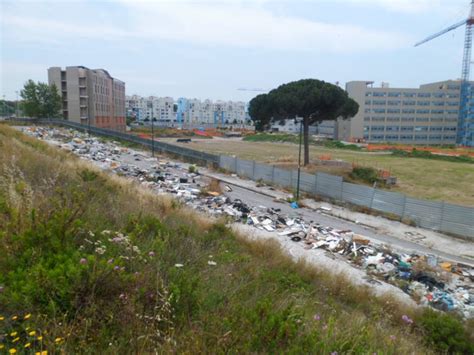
x,y
300,121
152,137
17,112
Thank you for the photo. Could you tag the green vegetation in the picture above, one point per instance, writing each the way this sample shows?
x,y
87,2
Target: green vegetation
x,y
365,174
7,108
40,100
313,100
273,137
92,263
428,155
340,145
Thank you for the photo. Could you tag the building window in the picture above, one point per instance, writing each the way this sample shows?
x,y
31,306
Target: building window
x,y
435,137
391,137
378,118
408,110
377,137
438,94
408,119
437,112
377,128
379,102
436,129
409,94
378,110
438,103
393,119
452,96
378,94
446,129
394,94
422,111
421,137
407,128
424,94
421,128
368,102
409,103
422,119
406,137
392,128
393,110
437,119
423,103
452,112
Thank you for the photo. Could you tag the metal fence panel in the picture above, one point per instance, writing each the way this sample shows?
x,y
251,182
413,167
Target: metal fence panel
x,y
426,214
357,194
458,220
263,172
227,163
329,185
282,177
307,182
390,202
245,168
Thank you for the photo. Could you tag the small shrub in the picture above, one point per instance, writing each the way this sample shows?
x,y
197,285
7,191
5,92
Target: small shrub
x,y
365,174
446,333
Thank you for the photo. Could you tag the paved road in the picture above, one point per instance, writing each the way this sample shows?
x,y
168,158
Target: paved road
x,y
253,198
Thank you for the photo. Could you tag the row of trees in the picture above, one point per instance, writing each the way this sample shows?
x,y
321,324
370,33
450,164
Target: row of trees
x,y
313,100
40,100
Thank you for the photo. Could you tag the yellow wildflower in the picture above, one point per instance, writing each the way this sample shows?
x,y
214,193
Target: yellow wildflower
x,y
40,338
27,345
14,318
15,340
33,332
27,316
2,317
13,334
12,351
44,352
58,339
27,328
2,346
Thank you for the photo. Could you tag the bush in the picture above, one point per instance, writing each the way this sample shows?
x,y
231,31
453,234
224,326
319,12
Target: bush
x,y
446,333
340,145
365,174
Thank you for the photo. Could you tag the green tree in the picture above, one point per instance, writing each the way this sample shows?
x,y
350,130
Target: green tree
x,y
313,100
40,100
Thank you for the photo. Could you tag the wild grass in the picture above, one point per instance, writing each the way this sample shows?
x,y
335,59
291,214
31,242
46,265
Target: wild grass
x,y
95,264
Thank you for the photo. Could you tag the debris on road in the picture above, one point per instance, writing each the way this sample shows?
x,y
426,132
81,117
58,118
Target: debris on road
x,y
440,284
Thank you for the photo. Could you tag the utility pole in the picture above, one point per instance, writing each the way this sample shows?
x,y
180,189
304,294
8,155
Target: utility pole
x,y
300,120
152,136
17,112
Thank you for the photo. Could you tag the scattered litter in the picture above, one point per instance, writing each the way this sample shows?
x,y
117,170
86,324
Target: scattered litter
x,y
440,284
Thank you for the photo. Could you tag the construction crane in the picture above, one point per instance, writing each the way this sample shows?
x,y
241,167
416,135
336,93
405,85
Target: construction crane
x,y
464,134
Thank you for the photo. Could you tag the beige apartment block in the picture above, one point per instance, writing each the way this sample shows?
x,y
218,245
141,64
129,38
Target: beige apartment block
x,y
427,115
90,96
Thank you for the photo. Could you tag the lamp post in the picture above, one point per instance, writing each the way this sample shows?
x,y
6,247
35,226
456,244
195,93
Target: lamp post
x,y
16,112
300,121
152,137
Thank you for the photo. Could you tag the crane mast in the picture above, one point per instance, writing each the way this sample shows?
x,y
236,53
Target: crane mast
x,y
465,131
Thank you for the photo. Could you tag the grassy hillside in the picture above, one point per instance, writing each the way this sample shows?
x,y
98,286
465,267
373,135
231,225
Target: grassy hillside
x,y
94,264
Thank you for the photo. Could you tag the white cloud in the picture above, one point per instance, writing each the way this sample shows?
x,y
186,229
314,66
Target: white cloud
x,y
216,23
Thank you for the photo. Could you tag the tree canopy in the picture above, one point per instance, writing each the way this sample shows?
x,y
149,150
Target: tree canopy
x,y
40,100
313,100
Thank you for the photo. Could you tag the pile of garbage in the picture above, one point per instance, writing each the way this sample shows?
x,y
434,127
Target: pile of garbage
x,y
441,285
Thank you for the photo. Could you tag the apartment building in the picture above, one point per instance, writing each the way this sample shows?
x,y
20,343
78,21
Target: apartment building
x,y
90,96
425,115
188,111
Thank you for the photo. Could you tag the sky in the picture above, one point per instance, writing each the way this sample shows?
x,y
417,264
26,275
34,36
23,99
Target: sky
x,y
211,49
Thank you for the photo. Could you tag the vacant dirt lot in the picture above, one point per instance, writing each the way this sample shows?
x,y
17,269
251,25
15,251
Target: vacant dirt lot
x,y
422,178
